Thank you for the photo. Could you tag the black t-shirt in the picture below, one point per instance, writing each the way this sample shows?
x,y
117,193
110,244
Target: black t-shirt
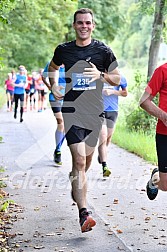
x,y
80,96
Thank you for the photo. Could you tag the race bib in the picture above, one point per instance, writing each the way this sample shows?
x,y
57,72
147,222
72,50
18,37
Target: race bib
x,y
81,82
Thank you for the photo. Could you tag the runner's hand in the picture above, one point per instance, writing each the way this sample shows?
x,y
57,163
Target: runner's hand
x,y
56,92
108,92
92,72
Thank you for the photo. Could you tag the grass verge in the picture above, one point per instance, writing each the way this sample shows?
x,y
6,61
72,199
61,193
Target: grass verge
x,y
138,143
2,97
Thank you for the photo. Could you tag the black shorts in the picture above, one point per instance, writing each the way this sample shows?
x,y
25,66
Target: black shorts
x,y
56,106
161,145
84,129
41,92
110,118
27,91
19,97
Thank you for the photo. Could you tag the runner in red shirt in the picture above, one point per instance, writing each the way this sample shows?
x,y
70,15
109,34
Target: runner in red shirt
x,y
158,85
40,87
9,91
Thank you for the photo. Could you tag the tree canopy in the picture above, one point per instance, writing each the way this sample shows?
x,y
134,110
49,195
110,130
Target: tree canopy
x,y
30,30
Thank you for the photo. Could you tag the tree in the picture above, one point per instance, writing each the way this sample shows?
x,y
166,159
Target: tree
x,y
156,38
108,18
5,7
33,30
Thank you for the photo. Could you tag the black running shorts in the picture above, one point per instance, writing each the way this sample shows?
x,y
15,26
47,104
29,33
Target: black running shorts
x,y
110,118
85,130
161,145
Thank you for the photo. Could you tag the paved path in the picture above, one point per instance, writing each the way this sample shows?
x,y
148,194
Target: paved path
x,y
48,219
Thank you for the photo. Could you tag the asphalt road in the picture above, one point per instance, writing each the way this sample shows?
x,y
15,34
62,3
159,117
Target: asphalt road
x,y
47,219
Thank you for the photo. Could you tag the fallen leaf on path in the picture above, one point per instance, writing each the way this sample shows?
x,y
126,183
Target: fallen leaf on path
x,y
36,208
119,231
162,243
39,247
110,214
116,201
119,248
156,237
161,217
51,234
3,193
110,232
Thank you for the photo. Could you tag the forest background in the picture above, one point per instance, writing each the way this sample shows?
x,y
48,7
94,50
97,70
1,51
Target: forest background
x,y
135,29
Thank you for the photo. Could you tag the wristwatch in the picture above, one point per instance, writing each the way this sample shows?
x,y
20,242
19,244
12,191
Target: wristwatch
x,y
101,75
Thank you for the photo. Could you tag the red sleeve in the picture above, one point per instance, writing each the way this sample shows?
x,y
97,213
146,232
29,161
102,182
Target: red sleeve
x,y
155,83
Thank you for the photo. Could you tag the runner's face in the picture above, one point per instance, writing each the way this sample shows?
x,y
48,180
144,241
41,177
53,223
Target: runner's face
x,y
83,26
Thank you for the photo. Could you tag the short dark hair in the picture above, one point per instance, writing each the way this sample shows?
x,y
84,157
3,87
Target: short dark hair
x,y
83,11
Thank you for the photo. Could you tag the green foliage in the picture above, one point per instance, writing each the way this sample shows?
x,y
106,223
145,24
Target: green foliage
x,y
2,98
35,30
5,7
108,18
146,6
1,167
135,35
138,119
2,183
4,207
138,143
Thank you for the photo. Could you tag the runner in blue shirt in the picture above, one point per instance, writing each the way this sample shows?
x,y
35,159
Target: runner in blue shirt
x,y
110,100
56,108
19,90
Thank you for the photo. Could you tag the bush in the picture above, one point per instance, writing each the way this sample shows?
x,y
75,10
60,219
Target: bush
x,y
140,120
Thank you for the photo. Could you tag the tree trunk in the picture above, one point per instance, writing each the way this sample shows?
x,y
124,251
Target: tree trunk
x,y
156,36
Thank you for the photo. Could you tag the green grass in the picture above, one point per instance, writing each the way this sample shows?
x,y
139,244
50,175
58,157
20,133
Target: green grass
x,y
139,143
2,97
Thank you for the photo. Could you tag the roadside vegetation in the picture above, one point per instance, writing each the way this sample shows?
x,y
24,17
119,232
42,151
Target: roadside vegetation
x,y
2,96
135,129
7,207
139,143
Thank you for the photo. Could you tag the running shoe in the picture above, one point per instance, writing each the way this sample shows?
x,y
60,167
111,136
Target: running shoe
x,y
152,189
106,171
57,157
86,221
